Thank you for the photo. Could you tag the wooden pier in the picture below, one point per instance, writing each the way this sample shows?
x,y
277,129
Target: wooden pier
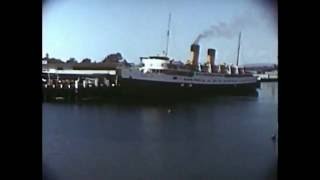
x,y
71,85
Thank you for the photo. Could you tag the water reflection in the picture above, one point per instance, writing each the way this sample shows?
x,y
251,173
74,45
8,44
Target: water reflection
x,y
157,101
269,92
218,137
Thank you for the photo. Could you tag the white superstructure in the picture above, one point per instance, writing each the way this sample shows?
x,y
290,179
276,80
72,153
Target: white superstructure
x,y
157,69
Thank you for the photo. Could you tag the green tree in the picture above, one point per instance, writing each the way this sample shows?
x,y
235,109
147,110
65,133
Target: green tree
x,y
86,60
72,60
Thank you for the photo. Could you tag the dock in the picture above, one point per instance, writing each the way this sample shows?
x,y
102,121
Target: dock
x,y
78,84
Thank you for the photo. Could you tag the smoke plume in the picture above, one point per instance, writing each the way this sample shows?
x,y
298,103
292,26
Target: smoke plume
x,y
266,12
226,30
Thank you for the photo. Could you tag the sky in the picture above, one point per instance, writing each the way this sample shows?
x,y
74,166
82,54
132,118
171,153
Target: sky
x,y
135,28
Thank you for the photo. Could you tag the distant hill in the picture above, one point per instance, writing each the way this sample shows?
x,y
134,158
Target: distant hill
x,y
261,67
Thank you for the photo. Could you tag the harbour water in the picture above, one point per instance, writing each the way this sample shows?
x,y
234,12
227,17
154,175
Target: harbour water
x,y
226,137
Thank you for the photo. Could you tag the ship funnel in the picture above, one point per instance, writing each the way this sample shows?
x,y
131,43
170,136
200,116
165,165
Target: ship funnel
x,y
195,49
210,60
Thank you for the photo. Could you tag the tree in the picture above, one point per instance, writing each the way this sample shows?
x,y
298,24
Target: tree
x,y
55,61
72,61
47,56
86,60
113,58
125,63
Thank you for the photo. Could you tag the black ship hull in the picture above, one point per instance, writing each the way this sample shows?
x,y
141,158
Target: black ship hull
x,y
142,90
132,87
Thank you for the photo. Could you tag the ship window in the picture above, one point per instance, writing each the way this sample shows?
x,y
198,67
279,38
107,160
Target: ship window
x,y
174,77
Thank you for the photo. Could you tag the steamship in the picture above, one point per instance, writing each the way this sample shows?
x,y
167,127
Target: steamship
x,y
161,76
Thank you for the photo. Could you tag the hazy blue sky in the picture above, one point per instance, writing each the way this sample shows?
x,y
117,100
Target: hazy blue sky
x,y
95,28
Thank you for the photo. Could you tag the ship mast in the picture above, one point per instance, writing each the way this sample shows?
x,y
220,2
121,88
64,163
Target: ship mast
x,y
168,33
238,48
